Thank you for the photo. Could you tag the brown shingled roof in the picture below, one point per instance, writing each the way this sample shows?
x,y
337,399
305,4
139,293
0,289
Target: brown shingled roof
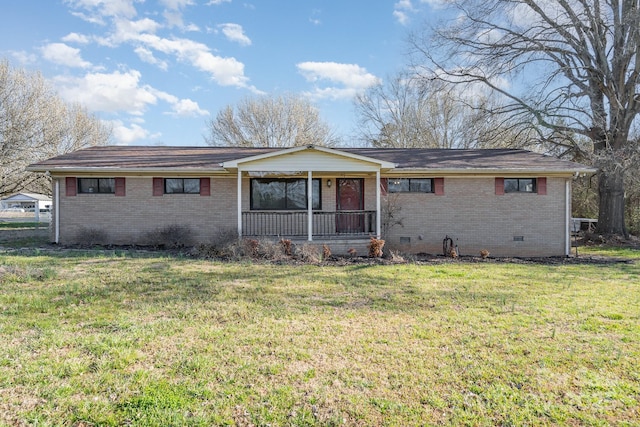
x,y
140,157
453,159
211,158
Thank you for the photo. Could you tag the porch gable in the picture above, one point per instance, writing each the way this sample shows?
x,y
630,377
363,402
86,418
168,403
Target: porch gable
x,y
311,158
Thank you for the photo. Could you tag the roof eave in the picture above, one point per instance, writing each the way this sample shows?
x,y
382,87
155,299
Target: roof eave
x,y
495,171
112,170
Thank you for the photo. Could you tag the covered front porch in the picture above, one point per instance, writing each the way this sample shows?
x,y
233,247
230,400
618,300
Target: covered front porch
x,y
311,193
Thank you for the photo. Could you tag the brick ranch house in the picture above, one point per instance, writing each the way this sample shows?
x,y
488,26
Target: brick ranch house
x,y
509,202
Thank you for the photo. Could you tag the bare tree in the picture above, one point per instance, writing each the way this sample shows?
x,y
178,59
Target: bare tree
x,y
279,121
36,124
567,65
408,111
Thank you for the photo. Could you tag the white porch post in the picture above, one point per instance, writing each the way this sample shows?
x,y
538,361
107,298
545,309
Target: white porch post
x,y
309,206
378,234
239,192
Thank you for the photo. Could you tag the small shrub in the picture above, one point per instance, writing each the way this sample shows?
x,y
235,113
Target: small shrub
x,y
172,236
286,246
249,247
375,248
91,237
352,252
453,252
394,256
259,249
484,254
271,250
308,253
326,251
223,245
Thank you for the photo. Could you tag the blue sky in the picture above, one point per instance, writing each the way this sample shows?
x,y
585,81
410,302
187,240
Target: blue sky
x,y
158,70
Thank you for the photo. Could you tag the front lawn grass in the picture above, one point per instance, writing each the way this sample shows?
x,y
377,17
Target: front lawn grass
x,y
111,338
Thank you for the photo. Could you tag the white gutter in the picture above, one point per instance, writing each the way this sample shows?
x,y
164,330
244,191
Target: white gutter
x,y
396,171
124,171
491,172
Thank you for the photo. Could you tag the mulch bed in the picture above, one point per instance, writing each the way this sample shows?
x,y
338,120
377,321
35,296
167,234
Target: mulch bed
x,y
423,258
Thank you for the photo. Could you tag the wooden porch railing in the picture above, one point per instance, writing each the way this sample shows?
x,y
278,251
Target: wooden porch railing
x,y
294,224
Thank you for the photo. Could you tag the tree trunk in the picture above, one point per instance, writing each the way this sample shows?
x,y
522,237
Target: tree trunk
x,y
611,205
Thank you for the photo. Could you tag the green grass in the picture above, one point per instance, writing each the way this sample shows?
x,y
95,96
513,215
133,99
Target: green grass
x,y
118,338
23,225
24,234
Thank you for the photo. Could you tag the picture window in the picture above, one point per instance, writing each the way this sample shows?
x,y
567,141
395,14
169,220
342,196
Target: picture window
x,y
283,194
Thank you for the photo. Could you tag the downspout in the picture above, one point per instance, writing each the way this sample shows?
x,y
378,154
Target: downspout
x,y
567,222
309,206
57,212
239,193
378,234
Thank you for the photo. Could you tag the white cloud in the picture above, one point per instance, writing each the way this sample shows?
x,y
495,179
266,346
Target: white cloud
x,y
437,4
76,38
24,57
235,33
181,107
176,4
128,31
173,18
188,108
103,8
124,135
350,78
147,56
401,17
108,92
401,11
60,53
225,71
118,91
142,34
173,14
217,2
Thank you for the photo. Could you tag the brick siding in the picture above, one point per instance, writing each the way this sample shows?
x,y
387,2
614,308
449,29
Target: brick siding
x,y
476,218
469,211
129,219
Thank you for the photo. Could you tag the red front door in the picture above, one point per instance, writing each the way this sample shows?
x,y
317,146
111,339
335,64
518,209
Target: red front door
x,y
350,204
